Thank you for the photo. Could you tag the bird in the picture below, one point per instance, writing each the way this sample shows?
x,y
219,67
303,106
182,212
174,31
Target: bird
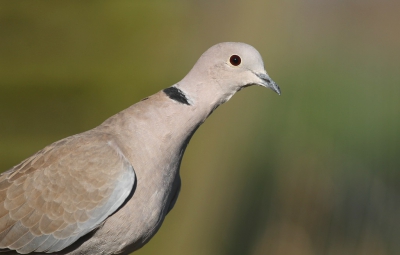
x,y
108,190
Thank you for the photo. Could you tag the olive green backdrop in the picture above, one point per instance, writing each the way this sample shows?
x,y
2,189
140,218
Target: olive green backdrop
x,y
314,171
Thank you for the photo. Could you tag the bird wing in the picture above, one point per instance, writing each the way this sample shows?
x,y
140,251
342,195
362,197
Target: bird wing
x,y
63,192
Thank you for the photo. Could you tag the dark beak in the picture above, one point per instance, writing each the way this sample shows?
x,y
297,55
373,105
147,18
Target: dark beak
x,y
268,82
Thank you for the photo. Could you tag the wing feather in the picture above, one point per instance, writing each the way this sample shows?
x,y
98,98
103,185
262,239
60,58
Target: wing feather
x,y
62,192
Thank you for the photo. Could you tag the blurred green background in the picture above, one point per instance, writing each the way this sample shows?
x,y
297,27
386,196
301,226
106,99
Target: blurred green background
x,y
314,171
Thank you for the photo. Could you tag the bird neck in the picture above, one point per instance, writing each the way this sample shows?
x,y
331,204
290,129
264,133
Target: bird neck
x,y
204,97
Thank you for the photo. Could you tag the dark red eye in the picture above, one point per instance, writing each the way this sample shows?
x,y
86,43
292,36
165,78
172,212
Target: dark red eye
x,y
235,60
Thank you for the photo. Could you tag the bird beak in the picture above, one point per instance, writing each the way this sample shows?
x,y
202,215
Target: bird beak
x,y
268,82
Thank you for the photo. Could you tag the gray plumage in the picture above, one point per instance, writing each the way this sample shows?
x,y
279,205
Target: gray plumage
x,y
108,190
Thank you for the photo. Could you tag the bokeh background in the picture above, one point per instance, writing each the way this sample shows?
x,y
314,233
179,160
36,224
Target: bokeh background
x,y
314,171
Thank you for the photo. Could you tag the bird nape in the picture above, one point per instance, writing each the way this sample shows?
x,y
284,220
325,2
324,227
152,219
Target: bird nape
x,y
108,190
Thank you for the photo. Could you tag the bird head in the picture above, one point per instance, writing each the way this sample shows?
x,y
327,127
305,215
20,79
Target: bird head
x,y
226,68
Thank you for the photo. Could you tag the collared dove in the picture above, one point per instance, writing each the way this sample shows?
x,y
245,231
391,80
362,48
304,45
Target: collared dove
x,y
108,190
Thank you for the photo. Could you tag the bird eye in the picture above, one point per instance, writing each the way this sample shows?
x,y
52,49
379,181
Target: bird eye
x,y
235,60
